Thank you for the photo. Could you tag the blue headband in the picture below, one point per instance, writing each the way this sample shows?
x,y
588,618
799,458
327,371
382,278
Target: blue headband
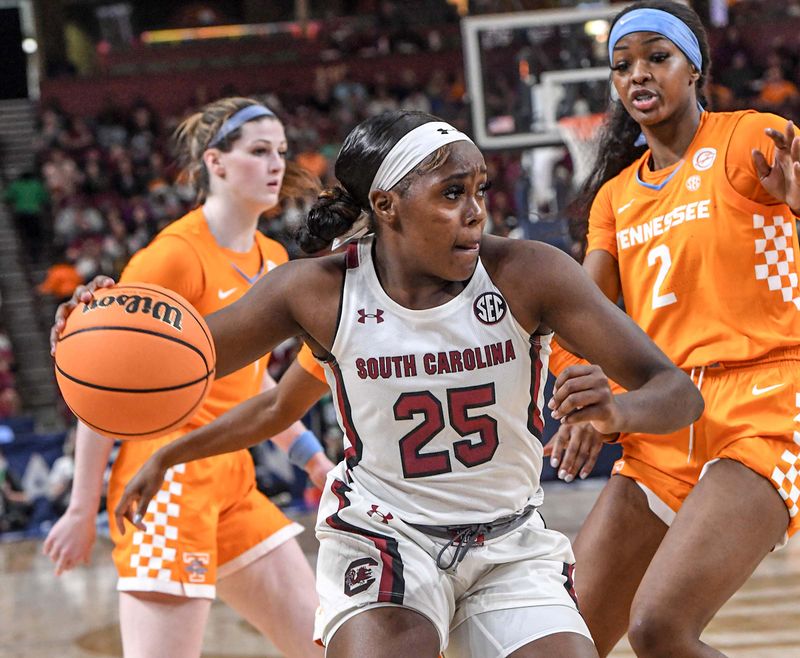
x,y
660,22
236,120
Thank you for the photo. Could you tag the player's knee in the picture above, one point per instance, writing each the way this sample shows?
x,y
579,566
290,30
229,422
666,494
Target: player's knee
x,y
655,634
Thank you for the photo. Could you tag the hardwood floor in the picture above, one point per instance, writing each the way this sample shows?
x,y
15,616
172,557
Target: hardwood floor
x,y
75,616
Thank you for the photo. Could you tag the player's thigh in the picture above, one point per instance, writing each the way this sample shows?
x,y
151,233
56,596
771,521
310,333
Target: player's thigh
x,y
558,645
276,587
155,625
542,630
385,631
727,525
612,552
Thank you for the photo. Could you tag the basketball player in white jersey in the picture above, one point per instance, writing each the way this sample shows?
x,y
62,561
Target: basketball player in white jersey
x,y
435,341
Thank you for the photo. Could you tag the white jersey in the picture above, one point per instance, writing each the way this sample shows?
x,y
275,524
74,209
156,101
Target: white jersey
x,y
441,408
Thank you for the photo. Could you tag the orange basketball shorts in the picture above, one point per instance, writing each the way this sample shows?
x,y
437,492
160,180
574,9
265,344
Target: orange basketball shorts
x,y
752,416
207,521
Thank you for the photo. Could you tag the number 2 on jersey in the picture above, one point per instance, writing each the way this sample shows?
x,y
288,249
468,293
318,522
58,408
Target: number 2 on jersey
x,y
459,402
661,253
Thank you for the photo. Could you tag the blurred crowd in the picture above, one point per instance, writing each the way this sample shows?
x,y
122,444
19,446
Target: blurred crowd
x,y
10,403
103,185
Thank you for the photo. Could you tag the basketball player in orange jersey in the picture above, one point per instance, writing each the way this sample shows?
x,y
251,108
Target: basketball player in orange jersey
x,y
210,530
696,230
429,536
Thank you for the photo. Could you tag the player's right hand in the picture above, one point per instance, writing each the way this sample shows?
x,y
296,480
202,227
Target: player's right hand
x,y
581,393
138,494
82,295
573,449
71,539
317,469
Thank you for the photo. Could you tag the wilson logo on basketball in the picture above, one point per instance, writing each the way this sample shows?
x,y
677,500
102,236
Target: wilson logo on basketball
x,y
490,308
160,310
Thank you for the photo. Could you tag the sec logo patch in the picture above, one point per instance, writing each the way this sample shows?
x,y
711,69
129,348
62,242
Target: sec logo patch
x,y
490,308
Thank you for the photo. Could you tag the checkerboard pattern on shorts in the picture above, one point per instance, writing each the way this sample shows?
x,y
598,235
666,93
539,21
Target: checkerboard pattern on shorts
x,y
785,475
778,268
155,550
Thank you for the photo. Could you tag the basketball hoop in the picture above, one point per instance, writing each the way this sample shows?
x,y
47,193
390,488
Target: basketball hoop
x,y
581,134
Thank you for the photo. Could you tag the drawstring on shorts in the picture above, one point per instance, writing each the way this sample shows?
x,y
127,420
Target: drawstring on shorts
x,y
465,537
463,540
691,427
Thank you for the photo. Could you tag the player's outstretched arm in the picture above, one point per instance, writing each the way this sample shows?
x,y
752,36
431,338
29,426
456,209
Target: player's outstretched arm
x,y
661,397
249,423
299,443
298,298
71,539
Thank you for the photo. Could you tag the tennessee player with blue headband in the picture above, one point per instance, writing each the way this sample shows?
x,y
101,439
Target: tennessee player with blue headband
x,y
690,219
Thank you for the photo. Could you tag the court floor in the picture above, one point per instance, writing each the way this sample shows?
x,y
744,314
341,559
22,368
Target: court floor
x,y
75,616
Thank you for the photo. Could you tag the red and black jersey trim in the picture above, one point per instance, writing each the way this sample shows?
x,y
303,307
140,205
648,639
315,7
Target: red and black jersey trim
x,y
568,572
392,587
535,420
353,452
351,255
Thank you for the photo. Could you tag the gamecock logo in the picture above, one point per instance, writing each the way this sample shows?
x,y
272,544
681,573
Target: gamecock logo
x,y
358,576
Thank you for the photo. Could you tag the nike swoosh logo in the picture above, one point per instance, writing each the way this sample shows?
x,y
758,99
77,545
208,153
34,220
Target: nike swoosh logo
x,y
766,389
224,294
622,209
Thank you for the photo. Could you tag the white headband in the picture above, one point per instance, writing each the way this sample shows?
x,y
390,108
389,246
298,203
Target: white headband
x,y
412,149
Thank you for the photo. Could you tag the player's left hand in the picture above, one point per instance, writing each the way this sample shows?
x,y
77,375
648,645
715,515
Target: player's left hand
x,y
782,178
574,448
582,394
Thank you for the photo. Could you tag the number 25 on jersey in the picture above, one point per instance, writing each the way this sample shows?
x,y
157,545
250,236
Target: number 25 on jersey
x,y
459,402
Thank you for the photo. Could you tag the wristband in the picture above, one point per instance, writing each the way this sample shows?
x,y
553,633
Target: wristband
x,y
303,448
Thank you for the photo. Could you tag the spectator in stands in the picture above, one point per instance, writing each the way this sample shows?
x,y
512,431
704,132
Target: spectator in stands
x,y
77,138
76,217
310,159
51,125
778,94
7,379
739,76
62,278
29,201
15,508
10,403
61,175
96,180
125,181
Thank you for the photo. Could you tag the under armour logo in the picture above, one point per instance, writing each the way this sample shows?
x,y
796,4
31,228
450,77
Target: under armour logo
x,y
363,315
385,518
444,131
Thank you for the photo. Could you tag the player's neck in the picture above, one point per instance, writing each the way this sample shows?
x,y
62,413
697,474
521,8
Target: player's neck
x,y
232,227
411,289
670,140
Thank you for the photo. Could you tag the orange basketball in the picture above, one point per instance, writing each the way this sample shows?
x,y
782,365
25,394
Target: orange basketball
x,y
136,362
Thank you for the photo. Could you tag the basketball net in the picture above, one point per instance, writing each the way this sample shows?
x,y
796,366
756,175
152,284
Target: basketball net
x,y
581,134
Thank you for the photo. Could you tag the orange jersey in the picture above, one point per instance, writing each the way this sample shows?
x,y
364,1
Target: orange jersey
x,y
309,363
186,258
707,259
